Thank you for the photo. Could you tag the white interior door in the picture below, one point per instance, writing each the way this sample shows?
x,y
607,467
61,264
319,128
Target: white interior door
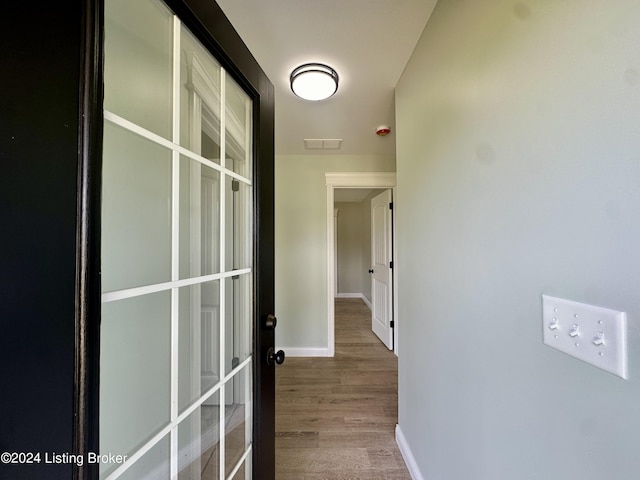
x,y
381,271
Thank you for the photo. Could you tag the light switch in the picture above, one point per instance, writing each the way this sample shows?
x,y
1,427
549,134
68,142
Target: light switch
x,y
598,340
590,333
575,330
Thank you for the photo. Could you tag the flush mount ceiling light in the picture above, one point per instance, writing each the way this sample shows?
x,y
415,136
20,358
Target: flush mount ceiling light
x,y
314,81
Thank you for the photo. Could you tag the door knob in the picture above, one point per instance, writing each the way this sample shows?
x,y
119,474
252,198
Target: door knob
x,y
271,321
277,357
371,271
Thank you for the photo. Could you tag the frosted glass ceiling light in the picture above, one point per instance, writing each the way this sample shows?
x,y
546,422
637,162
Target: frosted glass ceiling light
x,y
314,81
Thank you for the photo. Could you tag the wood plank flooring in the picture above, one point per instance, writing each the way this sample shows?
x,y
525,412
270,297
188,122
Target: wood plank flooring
x,y
335,417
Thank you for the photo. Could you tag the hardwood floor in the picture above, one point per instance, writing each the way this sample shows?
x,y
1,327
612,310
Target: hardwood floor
x,y
335,417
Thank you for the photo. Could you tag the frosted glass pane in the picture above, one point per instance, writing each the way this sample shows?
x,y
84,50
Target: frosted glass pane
x,y
136,211
238,129
237,225
198,442
199,99
138,71
134,371
199,341
238,332
153,465
199,219
238,416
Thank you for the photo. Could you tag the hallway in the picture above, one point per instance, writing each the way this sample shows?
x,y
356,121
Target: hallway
x,y
335,417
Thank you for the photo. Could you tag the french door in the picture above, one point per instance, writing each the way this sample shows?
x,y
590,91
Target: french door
x,y
187,249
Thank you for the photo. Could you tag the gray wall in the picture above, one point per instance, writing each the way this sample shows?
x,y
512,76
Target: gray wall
x,y
301,242
354,246
350,245
518,168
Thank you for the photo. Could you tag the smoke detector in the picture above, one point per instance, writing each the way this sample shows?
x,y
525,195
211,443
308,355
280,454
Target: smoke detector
x,y
383,130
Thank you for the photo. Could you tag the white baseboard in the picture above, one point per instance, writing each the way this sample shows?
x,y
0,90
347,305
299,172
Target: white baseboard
x,y
305,352
355,295
409,460
364,299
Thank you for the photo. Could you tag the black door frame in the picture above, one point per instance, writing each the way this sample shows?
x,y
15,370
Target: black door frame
x,y
207,22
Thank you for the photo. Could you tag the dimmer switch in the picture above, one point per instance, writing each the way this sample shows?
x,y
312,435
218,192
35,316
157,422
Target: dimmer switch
x,y
592,334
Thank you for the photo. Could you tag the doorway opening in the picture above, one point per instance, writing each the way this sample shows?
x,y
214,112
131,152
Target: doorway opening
x,y
368,181
352,231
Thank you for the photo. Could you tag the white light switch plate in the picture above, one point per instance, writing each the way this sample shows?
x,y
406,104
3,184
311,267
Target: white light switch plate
x,y
593,334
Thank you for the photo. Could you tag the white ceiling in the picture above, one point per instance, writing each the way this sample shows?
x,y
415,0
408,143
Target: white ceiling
x,y
368,42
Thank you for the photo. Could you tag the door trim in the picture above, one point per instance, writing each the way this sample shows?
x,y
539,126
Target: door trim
x,y
88,236
353,180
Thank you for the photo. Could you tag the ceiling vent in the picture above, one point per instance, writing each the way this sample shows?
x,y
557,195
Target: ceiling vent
x,y
322,143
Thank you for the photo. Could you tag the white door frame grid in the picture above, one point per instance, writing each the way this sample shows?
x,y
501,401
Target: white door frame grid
x,y
354,180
